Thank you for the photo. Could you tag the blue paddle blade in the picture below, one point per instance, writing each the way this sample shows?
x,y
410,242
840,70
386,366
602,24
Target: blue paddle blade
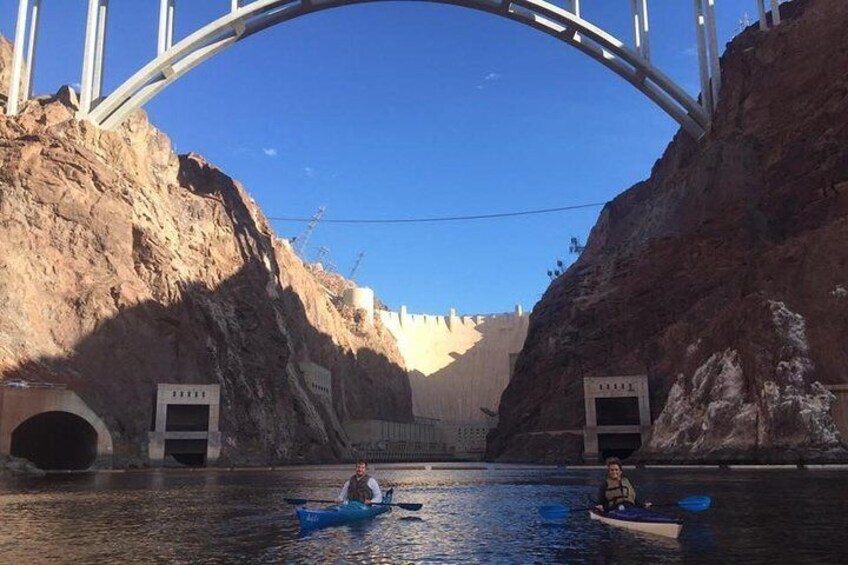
x,y
695,503
554,511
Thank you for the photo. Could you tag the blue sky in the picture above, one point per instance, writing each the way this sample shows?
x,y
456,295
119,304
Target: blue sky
x,y
404,110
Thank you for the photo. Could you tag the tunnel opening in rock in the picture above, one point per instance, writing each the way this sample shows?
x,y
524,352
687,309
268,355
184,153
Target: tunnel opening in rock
x,y
56,441
186,452
618,445
617,411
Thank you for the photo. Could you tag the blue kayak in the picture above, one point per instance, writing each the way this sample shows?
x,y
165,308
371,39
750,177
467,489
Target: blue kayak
x,y
339,514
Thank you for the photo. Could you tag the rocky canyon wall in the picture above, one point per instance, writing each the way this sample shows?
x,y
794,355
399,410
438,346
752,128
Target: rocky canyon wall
x,y
722,277
123,265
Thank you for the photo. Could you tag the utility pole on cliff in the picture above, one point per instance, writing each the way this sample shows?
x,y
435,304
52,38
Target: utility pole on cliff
x,y
560,269
301,241
576,247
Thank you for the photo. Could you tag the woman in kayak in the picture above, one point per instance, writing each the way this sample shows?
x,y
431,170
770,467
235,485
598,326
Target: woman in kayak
x,y
616,490
361,487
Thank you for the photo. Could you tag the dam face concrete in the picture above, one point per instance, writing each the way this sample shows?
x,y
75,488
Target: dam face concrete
x,y
457,364
53,428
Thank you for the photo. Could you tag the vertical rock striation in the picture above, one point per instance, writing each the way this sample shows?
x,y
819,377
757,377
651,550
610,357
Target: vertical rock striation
x,y
722,276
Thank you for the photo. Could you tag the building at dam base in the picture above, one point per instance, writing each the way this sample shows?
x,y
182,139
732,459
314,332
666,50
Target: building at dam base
x,y
426,439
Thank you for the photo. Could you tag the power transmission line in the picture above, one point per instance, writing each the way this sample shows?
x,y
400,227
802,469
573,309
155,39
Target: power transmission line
x,y
444,218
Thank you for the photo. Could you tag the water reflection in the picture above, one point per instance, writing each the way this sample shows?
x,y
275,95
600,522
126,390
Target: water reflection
x,y
469,516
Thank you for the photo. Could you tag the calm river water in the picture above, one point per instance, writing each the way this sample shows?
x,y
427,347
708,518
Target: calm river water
x,y
469,516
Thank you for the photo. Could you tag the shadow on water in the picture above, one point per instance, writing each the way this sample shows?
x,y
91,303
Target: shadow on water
x,y
411,519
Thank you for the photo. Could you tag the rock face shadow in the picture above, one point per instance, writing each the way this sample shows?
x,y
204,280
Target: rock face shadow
x,y
123,266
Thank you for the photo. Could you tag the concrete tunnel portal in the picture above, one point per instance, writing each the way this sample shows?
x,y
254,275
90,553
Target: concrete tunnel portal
x,y
56,440
52,427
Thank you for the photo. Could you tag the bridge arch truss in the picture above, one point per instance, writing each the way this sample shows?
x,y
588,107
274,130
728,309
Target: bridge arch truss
x,y
248,17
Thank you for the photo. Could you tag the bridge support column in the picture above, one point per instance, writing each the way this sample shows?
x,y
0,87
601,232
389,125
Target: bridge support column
x,y
761,8
574,7
636,19
100,51
235,5
646,41
712,43
91,85
708,54
20,85
33,39
706,90
167,8
639,15
775,12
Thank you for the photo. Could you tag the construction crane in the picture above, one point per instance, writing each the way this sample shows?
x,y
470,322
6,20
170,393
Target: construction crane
x,y
322,252
301,240
356,265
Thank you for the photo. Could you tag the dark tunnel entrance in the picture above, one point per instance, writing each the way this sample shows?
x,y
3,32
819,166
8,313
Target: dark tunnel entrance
x,y
56,440
189,452
620,411
187,418
618,445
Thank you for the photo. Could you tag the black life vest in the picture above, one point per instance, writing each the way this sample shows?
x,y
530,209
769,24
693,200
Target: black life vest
x,y
358,489
619,492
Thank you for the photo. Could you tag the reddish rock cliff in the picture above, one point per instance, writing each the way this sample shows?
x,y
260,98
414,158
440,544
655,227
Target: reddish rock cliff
x,y
723,276
5,67
123,265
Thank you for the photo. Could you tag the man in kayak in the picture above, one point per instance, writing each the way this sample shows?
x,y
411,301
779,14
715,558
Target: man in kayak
x,y
616,490
361,487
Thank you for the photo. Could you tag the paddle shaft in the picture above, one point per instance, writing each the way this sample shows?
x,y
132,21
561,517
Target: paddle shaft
x,y
405,506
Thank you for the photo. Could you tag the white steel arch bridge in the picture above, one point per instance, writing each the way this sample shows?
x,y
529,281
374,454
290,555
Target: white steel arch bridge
x,y
247,17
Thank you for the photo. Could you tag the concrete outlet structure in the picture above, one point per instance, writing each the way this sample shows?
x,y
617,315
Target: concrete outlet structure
x,y
186,427
618,415
52,427
839,410
319,379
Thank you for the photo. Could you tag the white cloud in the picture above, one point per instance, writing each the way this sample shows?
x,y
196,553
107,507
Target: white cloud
x,y
269,151
690,51
493,76
309,171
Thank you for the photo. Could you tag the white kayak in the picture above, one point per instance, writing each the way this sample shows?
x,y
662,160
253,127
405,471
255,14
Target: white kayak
x,y
639,520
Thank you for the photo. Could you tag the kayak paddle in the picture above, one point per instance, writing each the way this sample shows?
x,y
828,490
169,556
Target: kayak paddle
x,y
405,505
690,503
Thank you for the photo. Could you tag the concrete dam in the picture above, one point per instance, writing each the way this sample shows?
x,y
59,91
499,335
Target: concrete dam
x,y
457,364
